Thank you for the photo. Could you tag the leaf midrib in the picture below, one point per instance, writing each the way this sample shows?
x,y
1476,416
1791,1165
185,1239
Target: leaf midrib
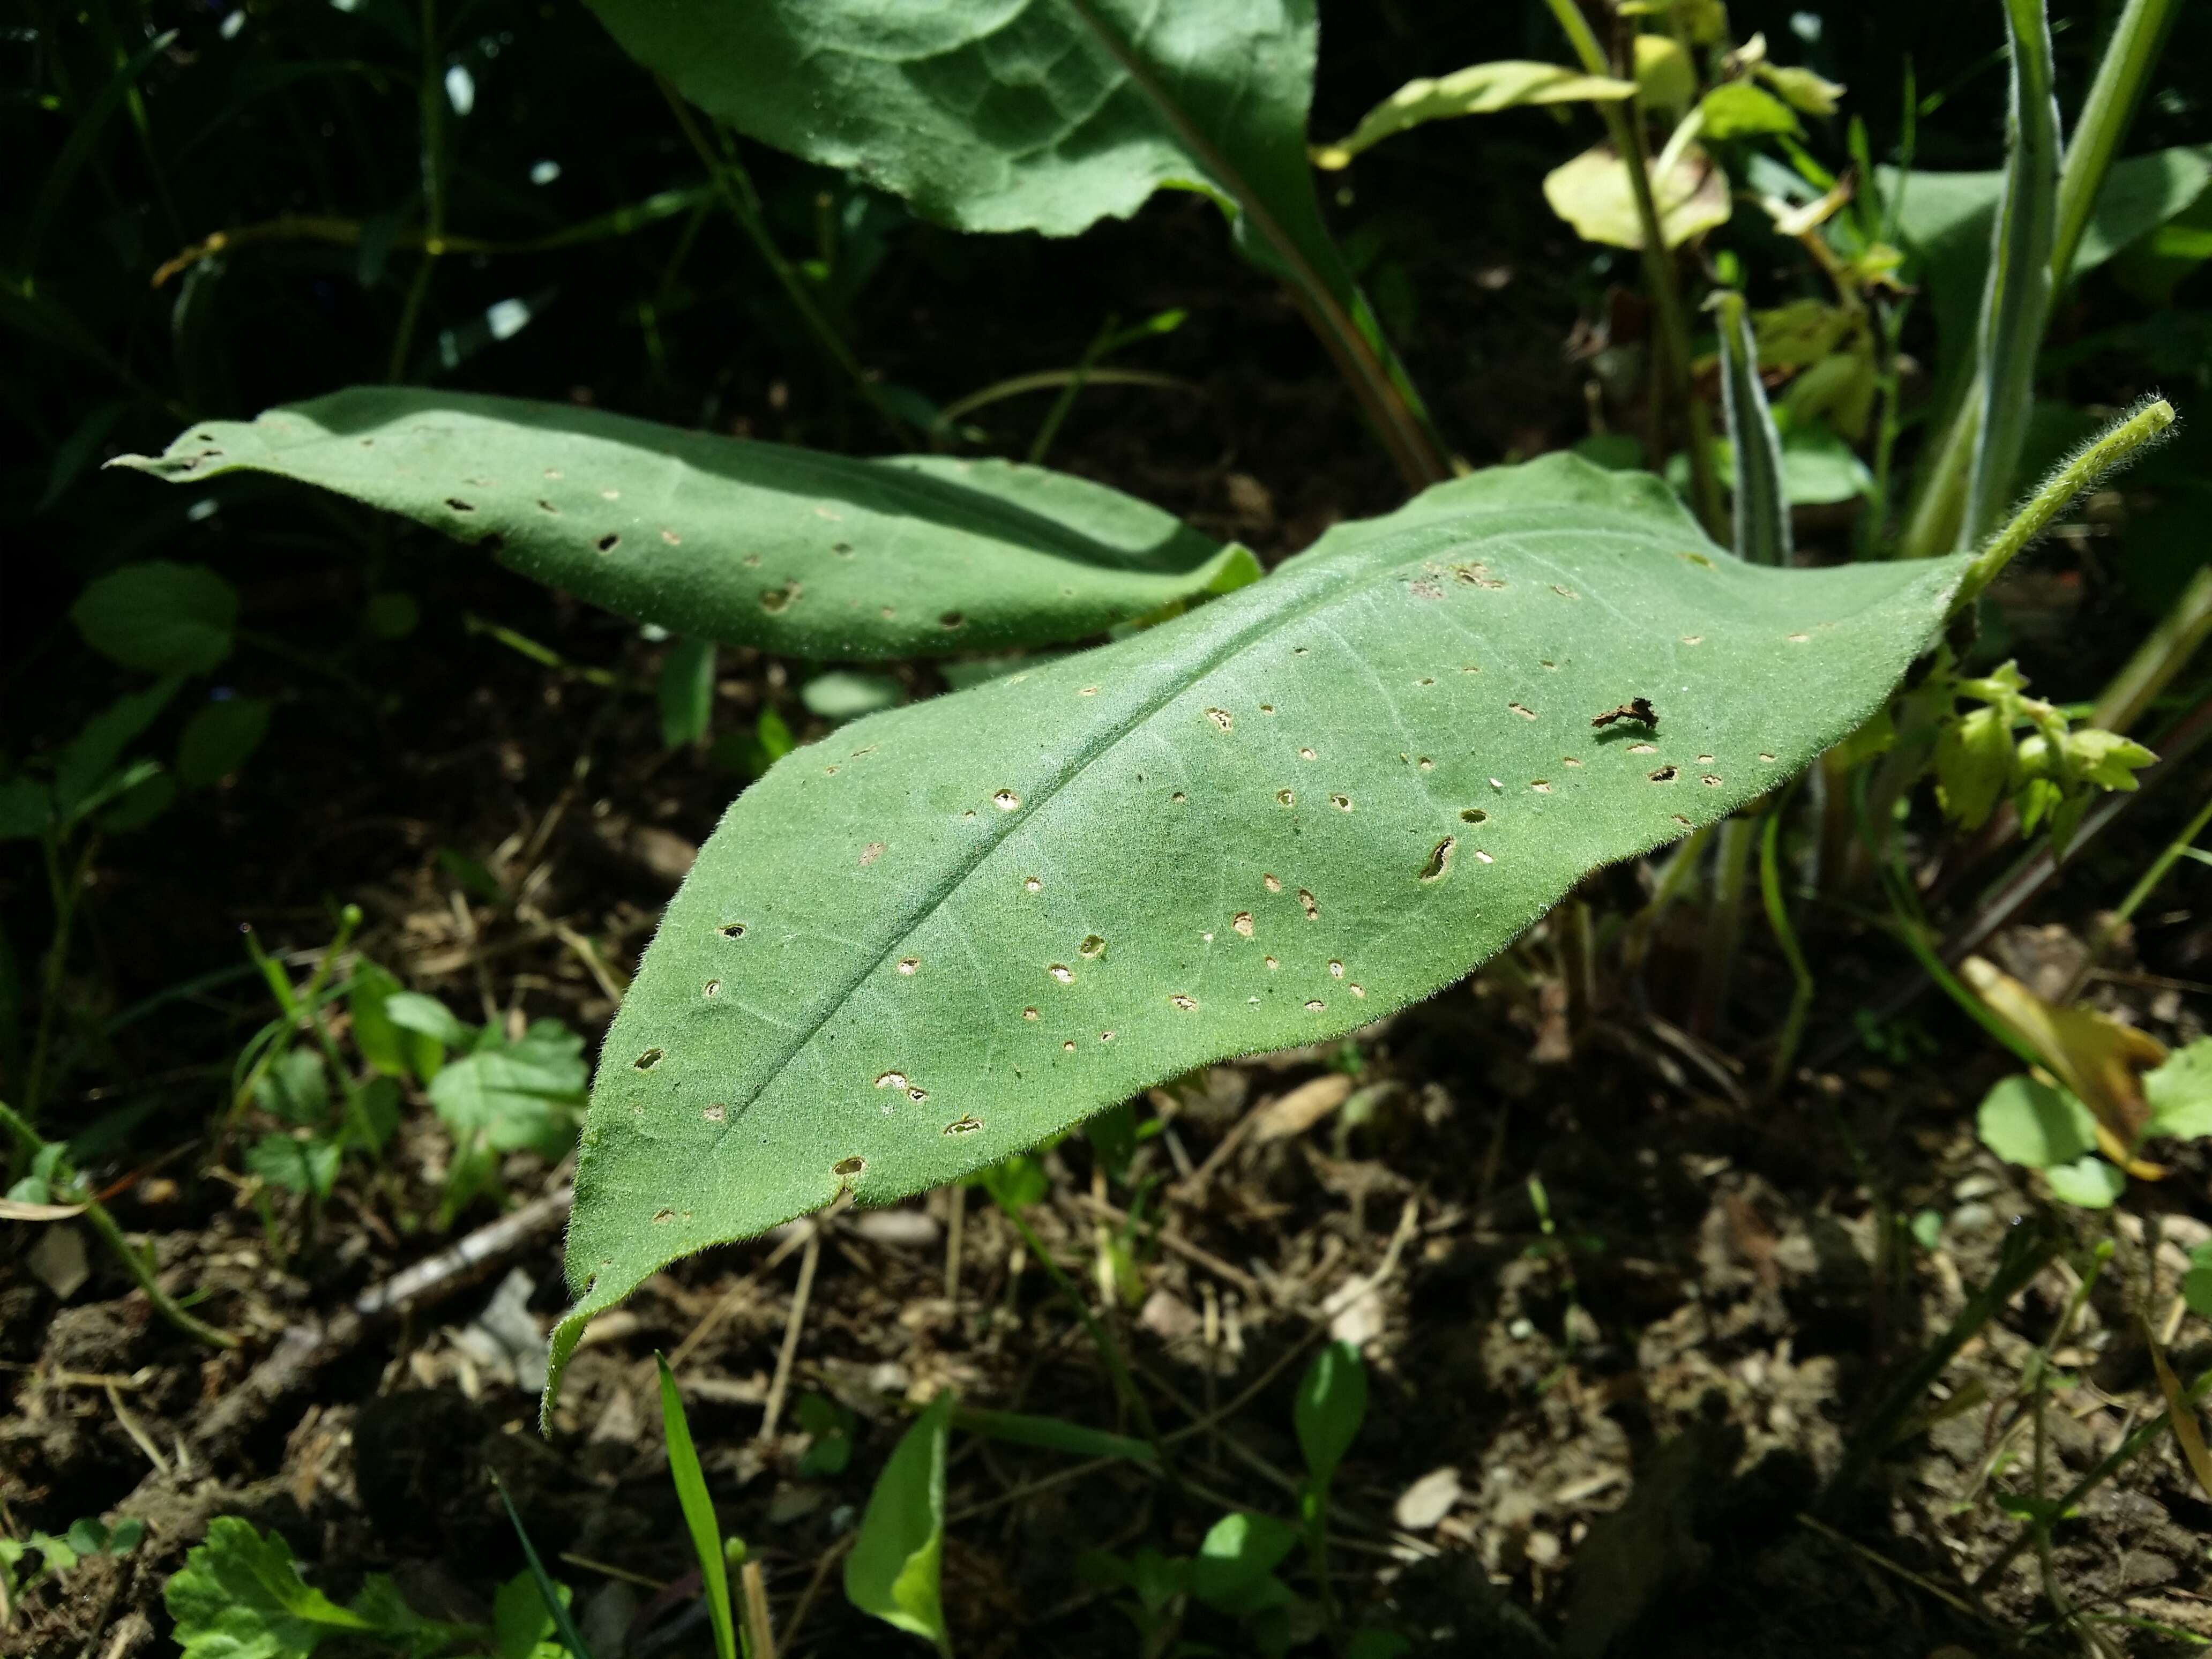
x,y
1420,543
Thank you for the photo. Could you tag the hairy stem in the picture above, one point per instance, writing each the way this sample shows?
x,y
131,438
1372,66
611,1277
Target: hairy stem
x,y
2091,462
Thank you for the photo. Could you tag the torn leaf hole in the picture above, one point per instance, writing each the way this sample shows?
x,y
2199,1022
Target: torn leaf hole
x,y
1062,972
910,965
1474,815
458,505
648,1060
1665,774
1242,923
1439,859
732,930
1310,904
1271,883
1093,947
848,1166
1186,1003
608,542
1222,718
1525,713
965,1124
715,1113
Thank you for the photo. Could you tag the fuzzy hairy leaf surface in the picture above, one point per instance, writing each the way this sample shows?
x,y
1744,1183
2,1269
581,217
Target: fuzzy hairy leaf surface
x,y
1042,115
953,928
1046,115
750,544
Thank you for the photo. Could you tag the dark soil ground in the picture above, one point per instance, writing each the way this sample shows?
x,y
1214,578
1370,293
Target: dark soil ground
x,y
1615,1425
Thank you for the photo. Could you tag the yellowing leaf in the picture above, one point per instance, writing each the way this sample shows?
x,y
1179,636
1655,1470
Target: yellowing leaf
x,y
1479,90
1802,90
1664,75
1737,109
2100,1060
2181,1411
1593,193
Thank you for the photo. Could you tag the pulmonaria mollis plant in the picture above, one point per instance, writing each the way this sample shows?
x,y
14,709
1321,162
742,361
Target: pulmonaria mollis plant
x,y
1281,809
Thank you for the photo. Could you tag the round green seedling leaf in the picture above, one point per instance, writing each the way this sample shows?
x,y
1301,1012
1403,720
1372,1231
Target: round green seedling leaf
x,y
2025,1121
722,539
221,738
952,929
2088,1183
2180,1092
163,618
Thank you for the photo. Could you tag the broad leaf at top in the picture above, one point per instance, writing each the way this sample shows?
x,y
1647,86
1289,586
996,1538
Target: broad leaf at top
x,y
951,929
1044,115
750,544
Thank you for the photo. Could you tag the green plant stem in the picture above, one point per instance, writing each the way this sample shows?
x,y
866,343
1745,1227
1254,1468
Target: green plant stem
x,y
1723,923
1628,135
2121,1455
1380,385
2057,492
2026,1250
1778,917
737,188
2145,885
1109,1350
2164,651
2016,303
1889,327
431,115
104,1224
1939,509
65,888
2122,75
1101,343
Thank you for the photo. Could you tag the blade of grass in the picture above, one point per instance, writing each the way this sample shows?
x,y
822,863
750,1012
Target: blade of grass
x,y
2027,1248
564,1622
1050,1434
698,1513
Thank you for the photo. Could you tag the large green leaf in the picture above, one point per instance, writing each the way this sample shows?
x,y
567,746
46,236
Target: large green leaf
x,y
956,927
750,544
1045,115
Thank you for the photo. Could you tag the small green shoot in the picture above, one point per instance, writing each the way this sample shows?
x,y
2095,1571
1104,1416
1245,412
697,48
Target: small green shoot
x,y
698,1513
1332,1403
893,1571
551,1597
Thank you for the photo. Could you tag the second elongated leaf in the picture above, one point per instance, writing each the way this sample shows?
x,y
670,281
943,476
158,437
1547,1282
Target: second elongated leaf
x,y
750,543
1478,89
954,928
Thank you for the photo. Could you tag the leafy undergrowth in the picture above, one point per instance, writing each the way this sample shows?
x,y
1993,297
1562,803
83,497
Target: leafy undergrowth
x,y
1620,1317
